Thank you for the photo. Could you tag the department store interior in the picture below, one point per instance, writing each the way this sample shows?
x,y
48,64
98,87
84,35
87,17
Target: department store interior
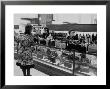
x,y
65,44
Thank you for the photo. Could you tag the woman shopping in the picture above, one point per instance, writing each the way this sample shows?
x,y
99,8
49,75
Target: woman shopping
x,y
25,60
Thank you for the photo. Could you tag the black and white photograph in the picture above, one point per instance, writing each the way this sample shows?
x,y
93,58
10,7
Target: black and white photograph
x,y
55,44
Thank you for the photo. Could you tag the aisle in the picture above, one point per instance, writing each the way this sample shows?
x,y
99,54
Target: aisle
x,y
34,72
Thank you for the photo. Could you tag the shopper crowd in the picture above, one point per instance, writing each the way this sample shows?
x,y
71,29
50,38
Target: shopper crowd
x,y
62,40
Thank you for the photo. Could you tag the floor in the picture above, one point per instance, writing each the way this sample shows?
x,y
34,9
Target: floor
x,y
34,72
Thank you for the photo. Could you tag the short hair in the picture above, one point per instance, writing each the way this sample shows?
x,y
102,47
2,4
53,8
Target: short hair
x,y
71,31
47,29
28,29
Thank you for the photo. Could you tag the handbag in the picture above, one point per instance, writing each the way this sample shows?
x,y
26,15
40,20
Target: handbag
x,y
18,64
68,64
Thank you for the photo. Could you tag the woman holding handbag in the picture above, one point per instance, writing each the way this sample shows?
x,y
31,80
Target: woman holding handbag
x,y
25,60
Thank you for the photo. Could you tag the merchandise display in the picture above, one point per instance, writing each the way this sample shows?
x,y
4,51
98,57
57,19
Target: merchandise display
x,y
84,63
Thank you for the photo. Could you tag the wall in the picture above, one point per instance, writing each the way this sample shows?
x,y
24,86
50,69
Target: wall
x,y
21,22
45,19
75,18
18,20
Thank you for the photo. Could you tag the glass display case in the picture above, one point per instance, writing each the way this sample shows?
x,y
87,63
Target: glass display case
x,y
87,64
72,62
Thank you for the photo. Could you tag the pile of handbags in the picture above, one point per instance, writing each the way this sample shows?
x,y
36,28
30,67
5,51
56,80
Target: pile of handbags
x,y
39,51
54,55
92,48
60,44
